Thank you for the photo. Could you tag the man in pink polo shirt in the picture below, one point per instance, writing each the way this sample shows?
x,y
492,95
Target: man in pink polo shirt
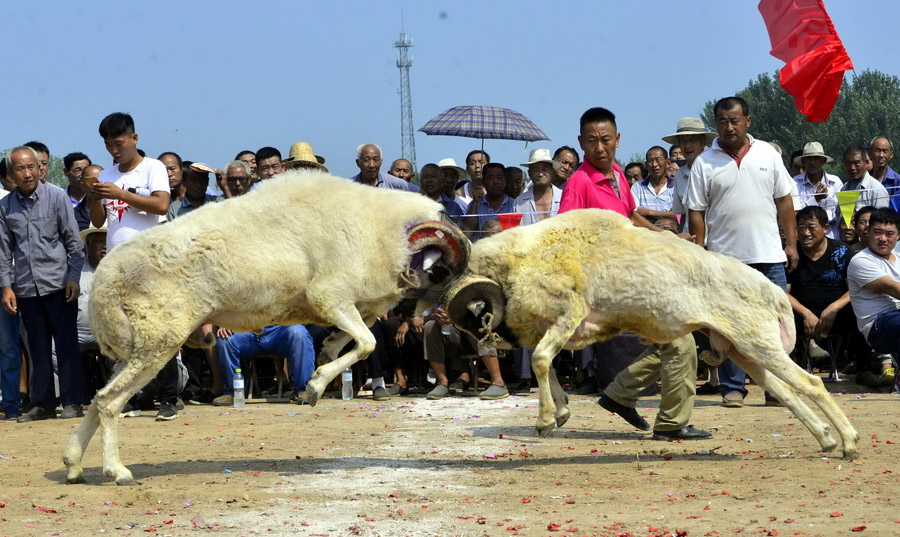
x,y
599,182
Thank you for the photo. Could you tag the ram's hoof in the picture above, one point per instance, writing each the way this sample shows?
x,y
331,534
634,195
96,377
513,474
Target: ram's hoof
x,y
126,480
312,396
851,453
75,480
562,417
544,431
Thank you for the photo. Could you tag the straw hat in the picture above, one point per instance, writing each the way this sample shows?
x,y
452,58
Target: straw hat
x,y
303,152
450,163
689,125
91,230
541,155
812,149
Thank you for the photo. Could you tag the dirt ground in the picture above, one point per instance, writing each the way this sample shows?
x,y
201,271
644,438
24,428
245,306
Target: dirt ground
x,y
459,466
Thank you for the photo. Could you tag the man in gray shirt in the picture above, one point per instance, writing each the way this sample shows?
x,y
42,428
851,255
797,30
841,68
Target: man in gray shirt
x,y
39,232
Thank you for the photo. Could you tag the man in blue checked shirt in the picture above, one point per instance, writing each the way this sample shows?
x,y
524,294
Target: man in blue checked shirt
x,y
653,195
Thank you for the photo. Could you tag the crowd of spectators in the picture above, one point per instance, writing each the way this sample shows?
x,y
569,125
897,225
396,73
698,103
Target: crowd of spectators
x,y
829,241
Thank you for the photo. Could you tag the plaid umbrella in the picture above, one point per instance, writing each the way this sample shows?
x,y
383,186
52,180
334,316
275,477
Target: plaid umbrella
x,y
483,122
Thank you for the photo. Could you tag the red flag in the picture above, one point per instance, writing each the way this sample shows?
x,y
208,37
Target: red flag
x,y
803,37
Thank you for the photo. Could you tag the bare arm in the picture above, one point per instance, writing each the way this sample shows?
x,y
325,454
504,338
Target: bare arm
x,y
829,314
697,226
810,320
640,221
98,213
788,222
470,223
156,203
650,213
886,285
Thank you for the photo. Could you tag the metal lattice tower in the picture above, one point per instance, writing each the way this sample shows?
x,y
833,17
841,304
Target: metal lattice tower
x,y
407,132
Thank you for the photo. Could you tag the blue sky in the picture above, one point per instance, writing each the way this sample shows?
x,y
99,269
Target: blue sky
x,y
207,79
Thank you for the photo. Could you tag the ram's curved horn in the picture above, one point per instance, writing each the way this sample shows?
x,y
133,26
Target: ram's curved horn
x,y
472,297
445,236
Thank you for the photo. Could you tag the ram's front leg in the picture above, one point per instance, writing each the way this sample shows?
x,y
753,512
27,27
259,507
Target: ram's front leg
x,y
553,408
345,317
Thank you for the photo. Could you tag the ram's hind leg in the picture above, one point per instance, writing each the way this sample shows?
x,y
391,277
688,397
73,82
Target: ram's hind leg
x,y
347,318
813,387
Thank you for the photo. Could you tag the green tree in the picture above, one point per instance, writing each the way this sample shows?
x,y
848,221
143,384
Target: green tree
x,y
55,172
867,106
636,156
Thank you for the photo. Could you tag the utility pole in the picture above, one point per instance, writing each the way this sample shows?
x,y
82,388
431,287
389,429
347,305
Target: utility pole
x,y
407,131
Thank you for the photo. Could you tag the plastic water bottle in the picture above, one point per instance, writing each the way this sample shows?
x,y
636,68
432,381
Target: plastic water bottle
x,y
238,384
347,384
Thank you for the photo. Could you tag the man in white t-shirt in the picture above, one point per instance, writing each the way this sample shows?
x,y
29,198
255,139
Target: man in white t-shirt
x,y
739,192
131,197
874,280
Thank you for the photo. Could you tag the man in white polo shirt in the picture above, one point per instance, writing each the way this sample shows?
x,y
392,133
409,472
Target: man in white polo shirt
x,y
738,195
874,281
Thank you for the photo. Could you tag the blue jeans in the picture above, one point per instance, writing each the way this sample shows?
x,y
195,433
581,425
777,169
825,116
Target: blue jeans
x,y
731,376
293,342
10,360
884,336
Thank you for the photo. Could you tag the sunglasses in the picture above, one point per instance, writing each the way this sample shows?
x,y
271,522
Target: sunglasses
x,y
238,179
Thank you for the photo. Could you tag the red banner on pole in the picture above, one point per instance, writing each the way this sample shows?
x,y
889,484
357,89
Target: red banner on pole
x,y
815,59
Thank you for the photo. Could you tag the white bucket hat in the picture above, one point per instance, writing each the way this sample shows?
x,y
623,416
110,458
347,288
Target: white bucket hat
x,y
450,163
541,155
812,149
689,125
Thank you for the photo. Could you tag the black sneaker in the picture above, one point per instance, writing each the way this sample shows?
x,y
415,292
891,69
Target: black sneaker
x,y
167,412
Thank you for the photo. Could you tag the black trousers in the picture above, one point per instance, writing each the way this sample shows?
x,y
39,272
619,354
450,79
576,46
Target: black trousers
x,y
51,317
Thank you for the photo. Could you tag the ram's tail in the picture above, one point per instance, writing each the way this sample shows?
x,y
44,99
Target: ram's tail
x,y
110,323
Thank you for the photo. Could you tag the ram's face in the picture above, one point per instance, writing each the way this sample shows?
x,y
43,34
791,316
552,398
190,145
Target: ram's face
x,y
440,255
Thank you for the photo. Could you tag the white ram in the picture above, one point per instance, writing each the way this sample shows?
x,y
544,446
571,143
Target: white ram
x,y
304,247
587,275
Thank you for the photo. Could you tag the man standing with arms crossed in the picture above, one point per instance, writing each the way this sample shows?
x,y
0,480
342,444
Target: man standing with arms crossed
x,y
738,195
